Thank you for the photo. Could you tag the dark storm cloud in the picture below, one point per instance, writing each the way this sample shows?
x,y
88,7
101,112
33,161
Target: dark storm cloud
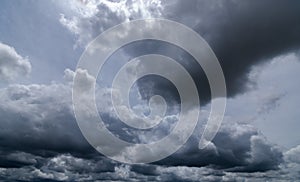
x,y
249,32
241,33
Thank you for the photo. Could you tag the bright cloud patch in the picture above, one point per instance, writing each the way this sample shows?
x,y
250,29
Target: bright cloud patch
x,y
89,18
12,65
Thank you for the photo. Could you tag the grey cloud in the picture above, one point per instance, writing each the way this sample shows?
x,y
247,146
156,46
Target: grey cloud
x,y
241,34
39,119
236,147
69,168
239,37
293,155
15,159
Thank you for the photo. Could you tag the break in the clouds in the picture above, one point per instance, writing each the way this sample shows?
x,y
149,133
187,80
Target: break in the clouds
x,y
12,65
256,43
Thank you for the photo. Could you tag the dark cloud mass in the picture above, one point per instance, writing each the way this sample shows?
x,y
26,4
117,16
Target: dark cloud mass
x,y
41,141
250,32
241,33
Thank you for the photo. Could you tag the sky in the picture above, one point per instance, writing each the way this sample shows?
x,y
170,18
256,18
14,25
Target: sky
x,y
256,42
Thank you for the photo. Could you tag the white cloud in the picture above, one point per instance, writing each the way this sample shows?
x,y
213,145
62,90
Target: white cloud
x,y
12,65
90,18
69,75
293,155
122,171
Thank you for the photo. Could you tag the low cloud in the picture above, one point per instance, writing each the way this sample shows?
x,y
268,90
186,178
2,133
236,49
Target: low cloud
x,y
39,120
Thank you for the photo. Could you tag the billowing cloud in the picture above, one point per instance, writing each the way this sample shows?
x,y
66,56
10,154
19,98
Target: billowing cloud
x,y
12,65
293,155
239,37
89,18
237,147
39,120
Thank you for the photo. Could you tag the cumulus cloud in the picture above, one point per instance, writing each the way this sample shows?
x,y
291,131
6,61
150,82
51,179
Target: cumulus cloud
x,y
293,155
236,147
12,65
93,17
68,75
39,120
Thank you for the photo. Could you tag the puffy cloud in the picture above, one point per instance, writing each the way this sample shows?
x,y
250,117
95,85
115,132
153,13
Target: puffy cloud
x,y
39,118
90,18
293,155
69,75
12,65
236,147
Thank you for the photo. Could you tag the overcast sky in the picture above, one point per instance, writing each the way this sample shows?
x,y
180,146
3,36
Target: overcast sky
x,y
256,42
